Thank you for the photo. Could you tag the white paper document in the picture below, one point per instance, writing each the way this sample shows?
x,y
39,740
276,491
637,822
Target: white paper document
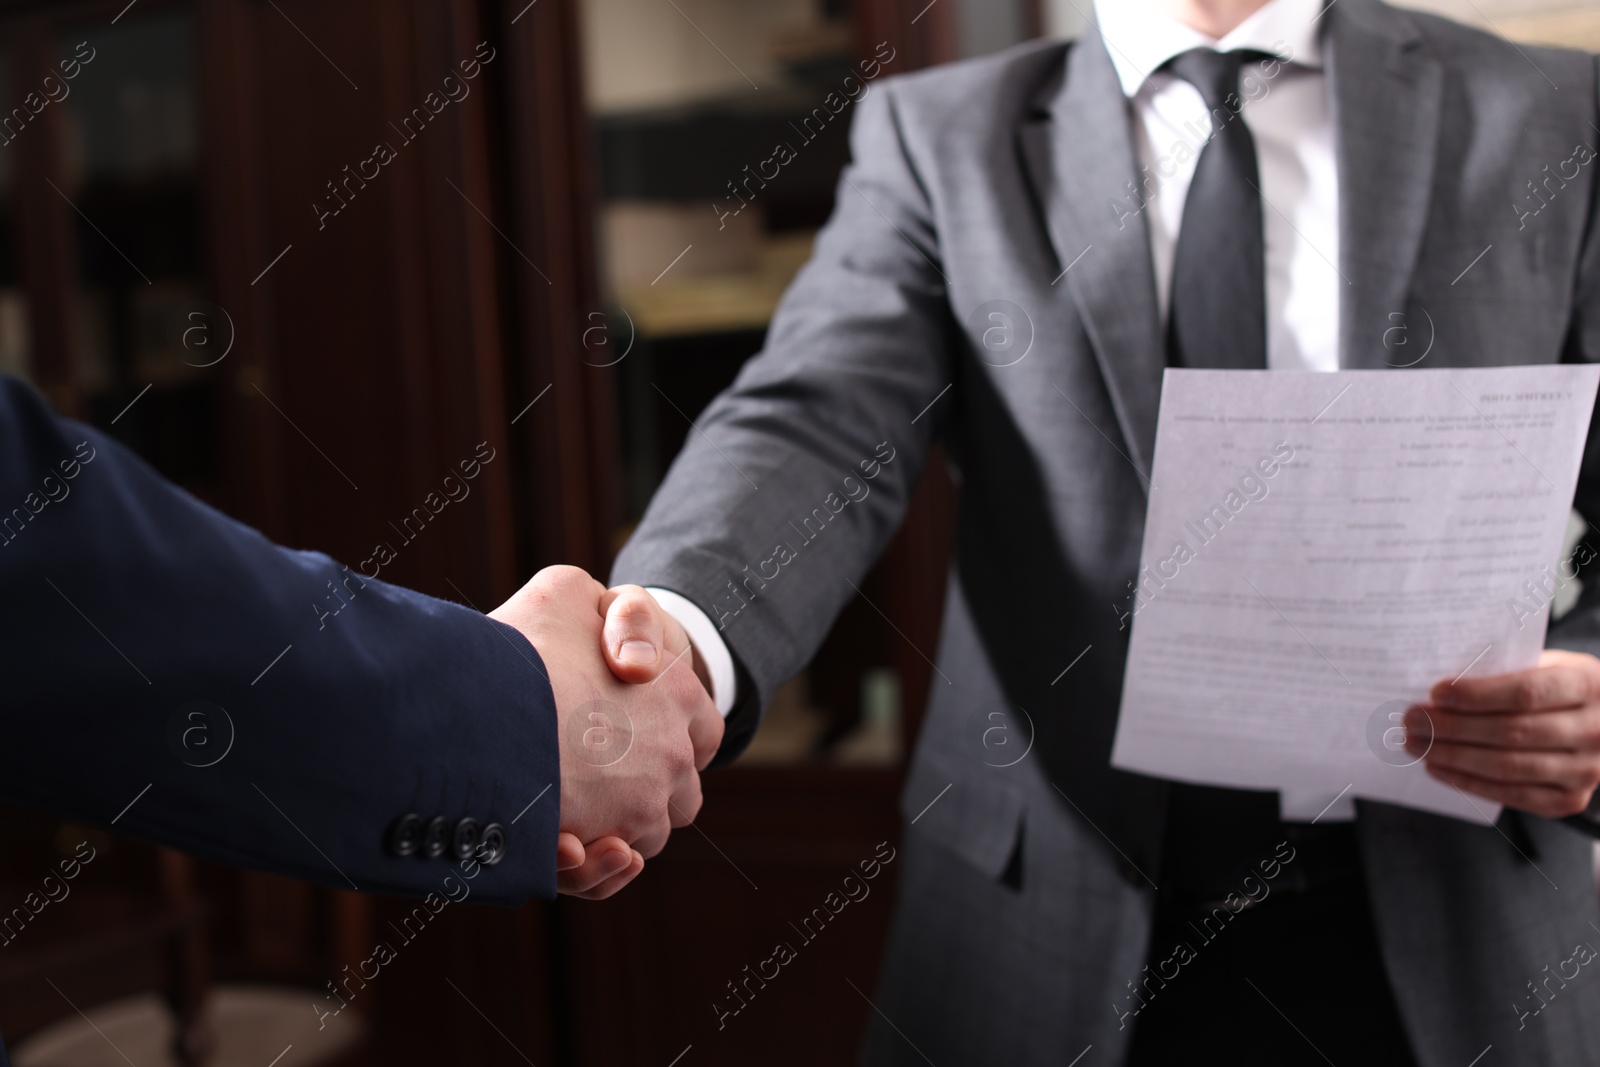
x,y
1320,549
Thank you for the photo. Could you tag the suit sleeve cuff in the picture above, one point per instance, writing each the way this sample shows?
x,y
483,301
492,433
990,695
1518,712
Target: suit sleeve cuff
x,y
707,644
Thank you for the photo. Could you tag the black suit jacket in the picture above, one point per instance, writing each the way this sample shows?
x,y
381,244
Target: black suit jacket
x,y
172,673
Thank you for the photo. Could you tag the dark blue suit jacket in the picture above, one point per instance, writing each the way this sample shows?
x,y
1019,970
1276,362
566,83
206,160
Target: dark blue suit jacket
x,y
166,673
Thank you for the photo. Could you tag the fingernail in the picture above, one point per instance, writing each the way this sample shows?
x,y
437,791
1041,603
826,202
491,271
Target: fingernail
x,y
637,653
616,863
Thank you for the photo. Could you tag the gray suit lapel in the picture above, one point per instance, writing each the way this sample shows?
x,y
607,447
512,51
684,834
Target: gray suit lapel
x,y
1079,153
1385,97
1078,150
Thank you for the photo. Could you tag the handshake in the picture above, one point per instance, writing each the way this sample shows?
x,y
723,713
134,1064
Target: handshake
x,y
634,717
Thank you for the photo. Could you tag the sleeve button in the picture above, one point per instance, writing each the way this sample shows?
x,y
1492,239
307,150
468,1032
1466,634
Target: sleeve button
x,y
437,836
405,835
491,844
465,840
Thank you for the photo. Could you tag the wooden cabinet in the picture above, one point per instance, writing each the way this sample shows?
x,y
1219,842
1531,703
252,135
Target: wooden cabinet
x,y
755,937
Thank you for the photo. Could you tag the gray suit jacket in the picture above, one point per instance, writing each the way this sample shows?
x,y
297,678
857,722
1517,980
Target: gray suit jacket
x,y
1027,892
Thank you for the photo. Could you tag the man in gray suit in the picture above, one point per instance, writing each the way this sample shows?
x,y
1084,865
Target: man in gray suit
x,y
1020,246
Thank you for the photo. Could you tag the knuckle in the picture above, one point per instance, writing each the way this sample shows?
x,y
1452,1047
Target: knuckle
x,y
1557,731
680,757
563,578
686,692
642,812
1530,692
652,847
633,606
1585,732
632,595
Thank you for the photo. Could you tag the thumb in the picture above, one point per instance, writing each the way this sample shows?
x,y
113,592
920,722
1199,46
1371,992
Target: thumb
x,y
634,635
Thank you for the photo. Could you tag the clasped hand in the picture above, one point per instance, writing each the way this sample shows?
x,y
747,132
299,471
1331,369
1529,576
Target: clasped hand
x,y
1529,740
635,722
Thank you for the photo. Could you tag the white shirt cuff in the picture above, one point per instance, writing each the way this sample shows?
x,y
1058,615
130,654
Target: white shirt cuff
x,y
707,645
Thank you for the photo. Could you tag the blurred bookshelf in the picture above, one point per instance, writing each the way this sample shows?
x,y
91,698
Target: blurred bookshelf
x,y
701,224
15,341
1559,23
1569,28
129,164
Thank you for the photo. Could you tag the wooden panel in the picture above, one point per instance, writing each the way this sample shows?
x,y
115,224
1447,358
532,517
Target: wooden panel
x,y
45,221
238,245
568,483
471,987
376,359
922,33
768,848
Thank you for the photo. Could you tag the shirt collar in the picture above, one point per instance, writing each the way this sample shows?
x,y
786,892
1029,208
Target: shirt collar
x,y
1140,41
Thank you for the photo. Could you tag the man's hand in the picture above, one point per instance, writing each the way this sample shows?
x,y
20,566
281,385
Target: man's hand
x,y
630,753
1528,740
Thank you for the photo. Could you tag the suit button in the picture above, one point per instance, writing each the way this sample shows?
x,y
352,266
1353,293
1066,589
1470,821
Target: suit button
x,y
437,836
465,840
405,835
1130,873
491,844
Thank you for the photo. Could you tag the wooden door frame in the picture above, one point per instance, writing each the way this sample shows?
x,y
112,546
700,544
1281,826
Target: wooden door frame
x,y
569,498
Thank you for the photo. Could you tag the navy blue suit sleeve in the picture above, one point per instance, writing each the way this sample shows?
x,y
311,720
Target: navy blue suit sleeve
x,y
173,674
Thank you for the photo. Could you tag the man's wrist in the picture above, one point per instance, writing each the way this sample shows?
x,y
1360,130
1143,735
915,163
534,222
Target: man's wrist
x,y
701,670
713,663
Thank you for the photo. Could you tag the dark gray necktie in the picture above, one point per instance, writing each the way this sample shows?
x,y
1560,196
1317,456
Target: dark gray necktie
x,y
1218,319
1218,314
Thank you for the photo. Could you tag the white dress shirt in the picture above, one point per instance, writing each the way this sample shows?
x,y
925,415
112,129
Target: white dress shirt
x,y
1286,108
